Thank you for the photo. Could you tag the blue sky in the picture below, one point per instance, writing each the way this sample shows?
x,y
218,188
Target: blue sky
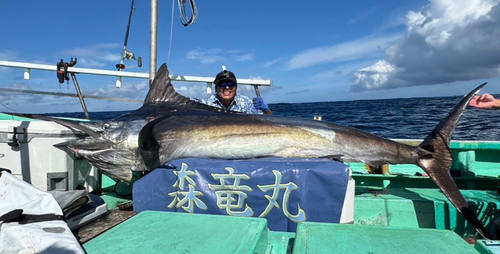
x,y
310,50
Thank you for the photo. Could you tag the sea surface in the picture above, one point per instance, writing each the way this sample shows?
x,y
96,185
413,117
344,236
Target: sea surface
x,y
409,118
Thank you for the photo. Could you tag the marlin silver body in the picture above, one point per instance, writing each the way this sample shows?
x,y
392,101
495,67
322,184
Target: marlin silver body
x,y
170,126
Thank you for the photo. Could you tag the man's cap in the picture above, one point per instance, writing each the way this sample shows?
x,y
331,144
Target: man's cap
x,y
225,75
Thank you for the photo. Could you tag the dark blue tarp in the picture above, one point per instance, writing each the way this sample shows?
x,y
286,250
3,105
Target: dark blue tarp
x,y
284,191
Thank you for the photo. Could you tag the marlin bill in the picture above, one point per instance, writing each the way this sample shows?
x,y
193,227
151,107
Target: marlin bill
x,y
170,126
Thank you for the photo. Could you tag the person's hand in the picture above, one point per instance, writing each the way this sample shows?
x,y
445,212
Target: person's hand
x,y
259,103
483,101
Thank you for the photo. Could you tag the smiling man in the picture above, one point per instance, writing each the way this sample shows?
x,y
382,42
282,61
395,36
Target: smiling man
x,y
226,96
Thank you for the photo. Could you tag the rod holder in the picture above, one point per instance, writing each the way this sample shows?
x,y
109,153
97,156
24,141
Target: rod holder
x,y
27,74
209,87
118,82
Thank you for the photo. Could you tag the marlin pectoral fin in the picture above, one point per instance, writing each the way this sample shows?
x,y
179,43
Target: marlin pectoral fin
x,y
149,148
434,157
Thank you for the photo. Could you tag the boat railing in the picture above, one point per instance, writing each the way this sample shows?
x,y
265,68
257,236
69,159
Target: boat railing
x,y
121,74
118,74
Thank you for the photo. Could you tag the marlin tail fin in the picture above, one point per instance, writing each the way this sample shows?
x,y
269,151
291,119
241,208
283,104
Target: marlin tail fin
x,y
434,157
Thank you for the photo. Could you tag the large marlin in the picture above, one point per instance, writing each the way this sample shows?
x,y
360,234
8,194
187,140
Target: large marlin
x,y
170,126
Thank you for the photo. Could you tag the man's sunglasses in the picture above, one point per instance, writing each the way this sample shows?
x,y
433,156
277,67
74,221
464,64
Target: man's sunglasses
x,y
227,84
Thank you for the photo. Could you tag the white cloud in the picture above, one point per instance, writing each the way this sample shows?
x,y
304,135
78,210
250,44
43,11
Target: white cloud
x,y
89,63
132,91
20,85
246,57
98,55
9,98
374,76
268,64
205,57
446,41
9,55
111,57
219,55
338,72
194,90
370,46
363,15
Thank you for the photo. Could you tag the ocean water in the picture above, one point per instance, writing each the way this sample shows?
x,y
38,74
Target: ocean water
x,y
409,118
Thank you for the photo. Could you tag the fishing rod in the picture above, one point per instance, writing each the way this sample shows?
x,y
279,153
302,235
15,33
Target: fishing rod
x,y
125,53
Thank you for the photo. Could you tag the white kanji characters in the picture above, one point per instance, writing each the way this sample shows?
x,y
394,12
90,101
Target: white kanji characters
x,y
276,187
232,197
190,198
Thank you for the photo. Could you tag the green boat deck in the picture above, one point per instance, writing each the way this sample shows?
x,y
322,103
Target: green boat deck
x,y
166,232
386,220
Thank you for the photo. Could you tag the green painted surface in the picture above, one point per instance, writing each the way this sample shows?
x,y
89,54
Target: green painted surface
x,y
410,181
280,242
487,246
113,201
11,117
422,208
164,232
337,238
108,183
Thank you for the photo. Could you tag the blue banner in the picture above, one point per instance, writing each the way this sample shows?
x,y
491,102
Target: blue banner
x,y
284,191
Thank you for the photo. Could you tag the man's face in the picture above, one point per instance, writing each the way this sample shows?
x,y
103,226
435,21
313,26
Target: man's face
x,y
226,91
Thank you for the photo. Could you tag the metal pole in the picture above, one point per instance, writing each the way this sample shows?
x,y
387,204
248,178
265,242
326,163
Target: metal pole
x,y
154,40
257,92
80,95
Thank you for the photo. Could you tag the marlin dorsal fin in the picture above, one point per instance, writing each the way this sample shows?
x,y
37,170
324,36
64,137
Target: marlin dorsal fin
x,y
162,90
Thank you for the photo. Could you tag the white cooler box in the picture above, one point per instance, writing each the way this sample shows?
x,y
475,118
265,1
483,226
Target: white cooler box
x,y
26,149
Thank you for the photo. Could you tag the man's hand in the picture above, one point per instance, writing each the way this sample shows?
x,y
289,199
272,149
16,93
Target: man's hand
x,y
259,103
483,101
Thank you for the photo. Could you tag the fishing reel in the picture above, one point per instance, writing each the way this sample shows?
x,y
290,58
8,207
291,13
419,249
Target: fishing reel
x,y
129,55
62,70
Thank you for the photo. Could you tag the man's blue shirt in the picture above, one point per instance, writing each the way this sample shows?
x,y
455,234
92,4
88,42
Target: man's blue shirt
x,y
241,103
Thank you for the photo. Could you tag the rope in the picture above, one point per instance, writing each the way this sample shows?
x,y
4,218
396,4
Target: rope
x,y
9,109
171,32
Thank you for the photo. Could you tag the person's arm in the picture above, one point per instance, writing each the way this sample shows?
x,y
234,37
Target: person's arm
x,y
259,104
485,101
497,104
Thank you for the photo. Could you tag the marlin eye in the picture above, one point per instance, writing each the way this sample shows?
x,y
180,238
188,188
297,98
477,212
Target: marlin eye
x,y
105,125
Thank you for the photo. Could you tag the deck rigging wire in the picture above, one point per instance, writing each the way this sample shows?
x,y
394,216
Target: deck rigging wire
x,y
184,20
171,32
8,108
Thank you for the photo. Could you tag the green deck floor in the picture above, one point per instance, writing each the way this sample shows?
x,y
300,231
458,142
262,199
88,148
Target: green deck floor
x,y
422,208
165,232
336,238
